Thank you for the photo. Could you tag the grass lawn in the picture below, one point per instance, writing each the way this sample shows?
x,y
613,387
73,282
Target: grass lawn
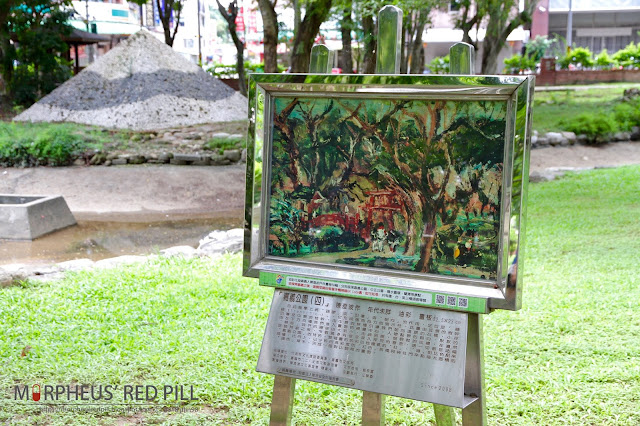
x,y
570,356
552,108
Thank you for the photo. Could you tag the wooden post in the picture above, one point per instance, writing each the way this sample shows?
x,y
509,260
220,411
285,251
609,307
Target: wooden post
x,y
282,401
372,409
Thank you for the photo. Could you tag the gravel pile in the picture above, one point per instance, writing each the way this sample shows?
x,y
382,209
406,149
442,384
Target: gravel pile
x,y
141,84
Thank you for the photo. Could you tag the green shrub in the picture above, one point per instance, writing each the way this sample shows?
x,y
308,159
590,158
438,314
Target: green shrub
x,y
627,114
603,60
518,63
629,56
439,65
596,126
538,47
579,56
43,145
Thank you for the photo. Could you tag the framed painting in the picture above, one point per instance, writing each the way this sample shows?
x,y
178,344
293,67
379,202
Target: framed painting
x,y
407,183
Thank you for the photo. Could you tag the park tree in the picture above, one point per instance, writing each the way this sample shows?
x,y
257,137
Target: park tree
x,y
415,20
502,17
347,25
166,11
230,14
31,45
169,12
316,13
270,25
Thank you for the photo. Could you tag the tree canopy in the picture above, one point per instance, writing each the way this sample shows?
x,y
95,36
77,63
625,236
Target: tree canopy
x,y
31,45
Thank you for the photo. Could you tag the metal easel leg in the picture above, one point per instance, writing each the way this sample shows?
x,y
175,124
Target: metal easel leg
x,y
282,401
475,414
372,409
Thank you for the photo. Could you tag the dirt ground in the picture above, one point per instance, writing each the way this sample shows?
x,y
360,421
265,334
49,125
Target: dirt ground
x,y
144,193
149,193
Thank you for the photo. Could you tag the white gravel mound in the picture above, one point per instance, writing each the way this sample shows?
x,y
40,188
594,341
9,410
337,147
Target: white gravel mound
x,y
141,84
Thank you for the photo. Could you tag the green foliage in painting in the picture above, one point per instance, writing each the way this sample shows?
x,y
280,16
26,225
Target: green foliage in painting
x,y
411,184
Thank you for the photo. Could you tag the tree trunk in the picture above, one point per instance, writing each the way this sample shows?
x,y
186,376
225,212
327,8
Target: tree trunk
x,y
490,51
427,239
164,11
417,51
404,56
316,13
346,60
369,57
230,17
297,16
270,23
7,55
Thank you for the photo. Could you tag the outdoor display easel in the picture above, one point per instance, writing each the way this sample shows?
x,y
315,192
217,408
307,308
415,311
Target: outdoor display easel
x,y
470,390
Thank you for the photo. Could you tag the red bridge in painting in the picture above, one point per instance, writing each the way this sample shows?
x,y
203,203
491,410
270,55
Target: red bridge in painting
x,y
380,207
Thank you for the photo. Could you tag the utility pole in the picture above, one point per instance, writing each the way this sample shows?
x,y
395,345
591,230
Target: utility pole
x,y
569,27
199,37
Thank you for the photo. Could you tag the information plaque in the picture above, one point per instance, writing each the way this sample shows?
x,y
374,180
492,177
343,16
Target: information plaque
x,y
406,351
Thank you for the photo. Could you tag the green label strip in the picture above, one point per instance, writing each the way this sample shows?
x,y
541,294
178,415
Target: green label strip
x,y
375,292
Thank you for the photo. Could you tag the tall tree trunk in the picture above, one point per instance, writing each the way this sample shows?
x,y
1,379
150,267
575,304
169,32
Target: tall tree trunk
x,y
316,13
297,16
417,51
270,23
230,16
164,11
369,57
7,55
404,57
490,52
346,59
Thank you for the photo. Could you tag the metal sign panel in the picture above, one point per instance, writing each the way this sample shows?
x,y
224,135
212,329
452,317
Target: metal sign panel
x,y
363,290
407,351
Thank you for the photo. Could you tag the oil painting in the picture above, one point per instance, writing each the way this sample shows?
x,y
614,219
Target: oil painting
x,y
397,184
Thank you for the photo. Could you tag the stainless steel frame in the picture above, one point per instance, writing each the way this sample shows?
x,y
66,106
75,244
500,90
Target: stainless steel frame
x,y
505,291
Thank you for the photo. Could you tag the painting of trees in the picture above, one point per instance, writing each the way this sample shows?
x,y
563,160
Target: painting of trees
x,y
412,184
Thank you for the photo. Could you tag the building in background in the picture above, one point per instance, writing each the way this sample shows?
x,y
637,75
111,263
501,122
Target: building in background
x,y
596,24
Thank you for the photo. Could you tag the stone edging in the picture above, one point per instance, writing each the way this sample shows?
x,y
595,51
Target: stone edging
x,y
570,138
213,245
192,141
230,156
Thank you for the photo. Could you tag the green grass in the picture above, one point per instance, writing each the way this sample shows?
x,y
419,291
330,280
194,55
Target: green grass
x,y
553,107
570,356
221,144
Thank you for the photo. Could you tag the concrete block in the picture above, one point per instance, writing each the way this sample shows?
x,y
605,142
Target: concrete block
x,y
27,217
